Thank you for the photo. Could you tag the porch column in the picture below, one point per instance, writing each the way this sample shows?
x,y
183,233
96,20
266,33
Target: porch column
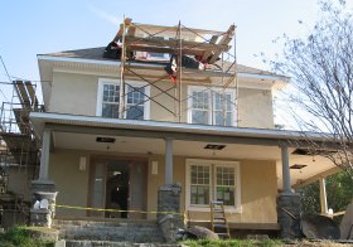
x,y
288,203
43,189
168,177
44,157
323,196
285,170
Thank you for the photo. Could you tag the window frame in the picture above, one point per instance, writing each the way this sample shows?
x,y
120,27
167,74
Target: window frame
x,y
104,81
213,164
212,111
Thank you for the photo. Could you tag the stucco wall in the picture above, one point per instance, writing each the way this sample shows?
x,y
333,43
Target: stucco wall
x,y
71,183
255,108
258,186
73,94
77,94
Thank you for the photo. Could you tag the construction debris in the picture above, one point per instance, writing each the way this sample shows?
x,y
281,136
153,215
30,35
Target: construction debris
x,y
346,225
196,232
319,227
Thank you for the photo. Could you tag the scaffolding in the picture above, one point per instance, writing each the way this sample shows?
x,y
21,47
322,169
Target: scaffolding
x,y
19,144
195,57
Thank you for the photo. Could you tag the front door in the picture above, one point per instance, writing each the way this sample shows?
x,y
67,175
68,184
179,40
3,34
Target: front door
x,y
117,188
118,184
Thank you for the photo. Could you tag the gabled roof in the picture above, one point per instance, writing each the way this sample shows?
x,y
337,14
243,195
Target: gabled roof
x,y
97,54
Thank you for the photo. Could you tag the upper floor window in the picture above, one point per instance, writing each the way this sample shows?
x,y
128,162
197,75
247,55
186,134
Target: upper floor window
x,y
213,106
136,102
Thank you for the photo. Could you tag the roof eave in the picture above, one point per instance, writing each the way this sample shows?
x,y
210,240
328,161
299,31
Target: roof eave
x,y
39,119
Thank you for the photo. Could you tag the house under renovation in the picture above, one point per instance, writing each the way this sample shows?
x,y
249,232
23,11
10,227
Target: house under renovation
x,y
162,127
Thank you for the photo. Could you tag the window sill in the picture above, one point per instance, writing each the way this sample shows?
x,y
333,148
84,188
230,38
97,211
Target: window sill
x,y
227,209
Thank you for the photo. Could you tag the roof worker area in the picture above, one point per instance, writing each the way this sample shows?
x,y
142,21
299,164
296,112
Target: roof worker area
x,y
173,47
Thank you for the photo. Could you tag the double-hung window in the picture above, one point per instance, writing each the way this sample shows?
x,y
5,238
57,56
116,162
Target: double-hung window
x,y
212,180
136,99
211,106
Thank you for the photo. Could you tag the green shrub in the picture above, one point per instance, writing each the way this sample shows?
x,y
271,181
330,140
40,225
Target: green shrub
x,y
20,237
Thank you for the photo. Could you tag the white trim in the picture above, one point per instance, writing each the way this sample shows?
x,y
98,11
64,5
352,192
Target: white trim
x,y
263,76
237,208
92,61
39,118
77,60
102,81
216,89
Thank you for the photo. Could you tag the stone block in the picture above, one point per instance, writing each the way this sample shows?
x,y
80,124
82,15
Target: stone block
x,y
288,211
169,201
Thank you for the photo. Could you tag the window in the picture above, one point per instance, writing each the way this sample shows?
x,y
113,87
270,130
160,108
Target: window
x,y
213,107
136,102
212,180
200,184
225,186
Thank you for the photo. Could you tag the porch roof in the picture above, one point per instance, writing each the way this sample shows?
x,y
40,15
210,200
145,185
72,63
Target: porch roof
x,y
179,131
144,137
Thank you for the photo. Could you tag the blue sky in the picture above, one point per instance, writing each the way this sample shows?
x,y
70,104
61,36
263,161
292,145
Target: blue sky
x,y
32,27
28,28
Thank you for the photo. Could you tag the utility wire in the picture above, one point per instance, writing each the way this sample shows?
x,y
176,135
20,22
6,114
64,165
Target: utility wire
x,y
8,75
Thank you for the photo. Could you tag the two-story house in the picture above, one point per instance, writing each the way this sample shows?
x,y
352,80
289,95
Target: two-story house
x,y
163,105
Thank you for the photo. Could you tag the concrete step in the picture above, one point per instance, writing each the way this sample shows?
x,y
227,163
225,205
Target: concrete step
x,y
116,231
90,243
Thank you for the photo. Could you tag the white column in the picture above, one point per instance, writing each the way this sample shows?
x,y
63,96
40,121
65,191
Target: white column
x,y
44,157
168,161
285,170
323,196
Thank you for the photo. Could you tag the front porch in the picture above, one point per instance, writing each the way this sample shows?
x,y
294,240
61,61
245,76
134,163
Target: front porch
x,y
152,154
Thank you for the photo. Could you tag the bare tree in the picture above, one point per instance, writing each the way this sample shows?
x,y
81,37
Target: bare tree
x,y
321,70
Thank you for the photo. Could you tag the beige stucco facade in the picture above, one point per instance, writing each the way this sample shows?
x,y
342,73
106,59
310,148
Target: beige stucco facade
x,y
258,185
78,93
75,93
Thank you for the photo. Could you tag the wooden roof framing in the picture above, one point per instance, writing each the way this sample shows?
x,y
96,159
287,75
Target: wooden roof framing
x,y
206,49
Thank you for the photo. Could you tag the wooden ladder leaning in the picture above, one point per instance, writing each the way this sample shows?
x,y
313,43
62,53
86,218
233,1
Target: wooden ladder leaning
x,y
218,219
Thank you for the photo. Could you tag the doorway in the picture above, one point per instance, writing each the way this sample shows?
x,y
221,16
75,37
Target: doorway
x,y
117,188
118,183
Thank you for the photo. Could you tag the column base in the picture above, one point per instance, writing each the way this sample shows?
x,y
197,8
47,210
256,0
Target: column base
x,y
288,211
43,190
169,201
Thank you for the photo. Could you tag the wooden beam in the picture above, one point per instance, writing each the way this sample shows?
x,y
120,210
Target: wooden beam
x,y
171,46
158,28
32,94
224,41
209,53
22,93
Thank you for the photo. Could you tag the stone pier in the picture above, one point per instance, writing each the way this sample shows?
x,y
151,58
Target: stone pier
x,y
43,193
288,211
169,201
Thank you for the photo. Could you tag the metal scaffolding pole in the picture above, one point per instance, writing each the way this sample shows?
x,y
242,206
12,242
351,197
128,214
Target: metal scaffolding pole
x,y
122,73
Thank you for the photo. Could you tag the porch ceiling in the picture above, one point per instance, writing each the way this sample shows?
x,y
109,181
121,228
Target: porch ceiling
x,y
195,149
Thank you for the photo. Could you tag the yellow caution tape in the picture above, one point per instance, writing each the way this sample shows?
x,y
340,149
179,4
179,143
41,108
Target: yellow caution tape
x,y
116,210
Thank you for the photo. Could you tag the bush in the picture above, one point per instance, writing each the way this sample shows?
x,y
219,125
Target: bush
x,y
20,237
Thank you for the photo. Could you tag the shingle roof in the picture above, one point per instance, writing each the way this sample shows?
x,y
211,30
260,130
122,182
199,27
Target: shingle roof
x,y
97,54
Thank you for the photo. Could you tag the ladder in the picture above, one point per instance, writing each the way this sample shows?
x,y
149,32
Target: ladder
x,y
218,219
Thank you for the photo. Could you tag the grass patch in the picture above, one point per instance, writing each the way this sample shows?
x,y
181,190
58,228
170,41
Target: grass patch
x,y
233,243
21,237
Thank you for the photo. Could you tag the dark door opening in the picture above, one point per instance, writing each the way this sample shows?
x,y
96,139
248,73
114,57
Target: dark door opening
x,y
118,180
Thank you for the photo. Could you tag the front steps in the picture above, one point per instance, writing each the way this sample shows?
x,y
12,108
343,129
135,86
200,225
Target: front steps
x,y
117,232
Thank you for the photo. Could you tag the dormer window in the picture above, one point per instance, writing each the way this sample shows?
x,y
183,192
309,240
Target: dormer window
x,y
136,103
